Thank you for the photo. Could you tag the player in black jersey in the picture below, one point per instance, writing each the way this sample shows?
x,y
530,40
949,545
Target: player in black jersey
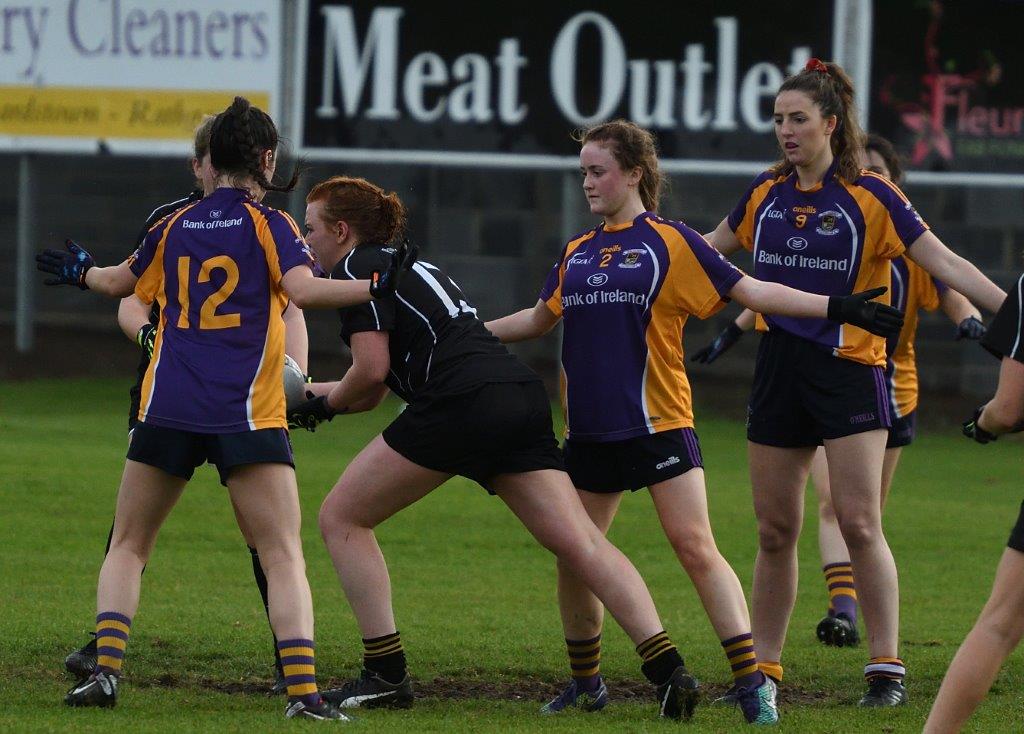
x,y
1001,625
474,410
139,322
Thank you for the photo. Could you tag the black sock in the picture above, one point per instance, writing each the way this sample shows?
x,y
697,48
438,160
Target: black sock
x,y
261,584
385,657
660,656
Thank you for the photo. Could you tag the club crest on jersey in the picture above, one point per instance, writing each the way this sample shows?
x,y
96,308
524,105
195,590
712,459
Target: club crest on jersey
x,y
828,223
597,279
631,258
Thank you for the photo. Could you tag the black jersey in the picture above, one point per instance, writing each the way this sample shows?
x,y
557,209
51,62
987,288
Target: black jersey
x,y
1005,335
438,346
155,216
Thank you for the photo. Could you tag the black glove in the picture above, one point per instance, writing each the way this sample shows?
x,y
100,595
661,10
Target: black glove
x,y
384,283
722,343
970,328
146,338
310,414
70,267
858,309
973,430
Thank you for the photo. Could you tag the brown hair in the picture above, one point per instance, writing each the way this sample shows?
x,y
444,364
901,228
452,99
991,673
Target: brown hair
x,y
631,146
238,138
201,137
376,216
831,90
885,149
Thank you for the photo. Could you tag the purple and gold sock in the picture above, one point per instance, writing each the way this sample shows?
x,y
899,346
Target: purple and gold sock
x,y
585,662
299,664
842,593
740,652
112,631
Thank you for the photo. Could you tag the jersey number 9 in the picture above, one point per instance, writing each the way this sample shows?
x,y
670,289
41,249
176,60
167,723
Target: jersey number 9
x,y
208,316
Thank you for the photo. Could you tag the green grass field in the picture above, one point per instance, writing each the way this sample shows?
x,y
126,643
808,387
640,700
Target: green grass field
x,y
474,595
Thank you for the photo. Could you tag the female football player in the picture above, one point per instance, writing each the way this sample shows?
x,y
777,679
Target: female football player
x,y
1001,624
816,221
624,291
913,289
139,323
223,270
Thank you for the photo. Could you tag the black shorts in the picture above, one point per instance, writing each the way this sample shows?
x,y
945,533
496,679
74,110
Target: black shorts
x,y
1016,540
635,463
903,430
179,452
803,395
498,428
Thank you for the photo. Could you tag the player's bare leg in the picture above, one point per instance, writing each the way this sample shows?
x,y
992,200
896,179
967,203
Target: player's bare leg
x,y
582,612
855,471
682,506
889,463
378,483
778,477
839,625
267,498
144,499
994,636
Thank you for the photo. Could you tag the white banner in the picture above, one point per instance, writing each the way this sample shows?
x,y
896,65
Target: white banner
x,y
134,75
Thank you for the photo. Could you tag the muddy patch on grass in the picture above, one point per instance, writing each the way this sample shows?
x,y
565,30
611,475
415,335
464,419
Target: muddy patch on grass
x,y
449,688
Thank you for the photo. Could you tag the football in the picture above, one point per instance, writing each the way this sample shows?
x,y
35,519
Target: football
x,y
294,383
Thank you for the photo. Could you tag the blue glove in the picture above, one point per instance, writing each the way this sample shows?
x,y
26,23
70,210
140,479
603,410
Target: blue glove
x,y
384,283
970,328
70,267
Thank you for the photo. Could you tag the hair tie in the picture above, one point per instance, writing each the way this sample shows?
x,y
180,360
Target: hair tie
x,y
816,65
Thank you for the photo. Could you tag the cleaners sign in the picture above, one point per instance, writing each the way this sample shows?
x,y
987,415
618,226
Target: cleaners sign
x,y
134,75
463,79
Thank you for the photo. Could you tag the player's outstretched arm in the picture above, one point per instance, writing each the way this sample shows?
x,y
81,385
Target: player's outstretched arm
x,y
526,324
75,266
296,338
959,274
857,308
307,291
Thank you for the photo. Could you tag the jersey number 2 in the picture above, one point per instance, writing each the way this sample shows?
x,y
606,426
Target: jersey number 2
x,y
208,316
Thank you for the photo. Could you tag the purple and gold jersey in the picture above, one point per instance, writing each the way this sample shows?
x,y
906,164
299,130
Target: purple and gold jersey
x,y
215,269
834,239
624,294
912,289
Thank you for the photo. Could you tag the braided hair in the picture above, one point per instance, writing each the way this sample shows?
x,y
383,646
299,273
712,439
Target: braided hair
x,y
240,136
828,86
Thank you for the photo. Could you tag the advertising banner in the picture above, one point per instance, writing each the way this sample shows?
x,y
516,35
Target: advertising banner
x,y
949,85
131,75
444,81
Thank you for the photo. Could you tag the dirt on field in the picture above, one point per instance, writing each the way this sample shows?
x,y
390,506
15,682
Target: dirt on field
x,y
456,689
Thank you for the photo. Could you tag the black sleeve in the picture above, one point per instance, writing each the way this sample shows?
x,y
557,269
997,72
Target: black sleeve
x,y
376,315
1005,335
162,211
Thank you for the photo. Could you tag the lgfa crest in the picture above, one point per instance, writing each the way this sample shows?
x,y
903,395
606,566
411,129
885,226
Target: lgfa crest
x,y
828,223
